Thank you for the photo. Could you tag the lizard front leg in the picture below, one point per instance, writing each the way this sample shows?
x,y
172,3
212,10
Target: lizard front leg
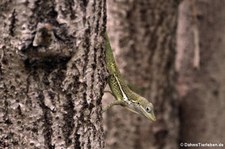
x,y
116,102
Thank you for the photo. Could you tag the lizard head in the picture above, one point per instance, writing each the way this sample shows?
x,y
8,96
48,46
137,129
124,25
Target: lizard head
x,y
143,107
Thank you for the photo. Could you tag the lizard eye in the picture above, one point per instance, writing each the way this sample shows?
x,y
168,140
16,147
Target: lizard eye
x,y
148,109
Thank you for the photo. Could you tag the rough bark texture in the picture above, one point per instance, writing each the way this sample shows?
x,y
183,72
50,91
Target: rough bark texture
x,y
51,73
202,90
143,38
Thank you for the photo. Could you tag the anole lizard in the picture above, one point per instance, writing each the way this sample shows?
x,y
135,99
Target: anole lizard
x,y
120,90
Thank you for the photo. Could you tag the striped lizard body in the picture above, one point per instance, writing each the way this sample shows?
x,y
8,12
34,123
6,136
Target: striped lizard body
x,y
120,90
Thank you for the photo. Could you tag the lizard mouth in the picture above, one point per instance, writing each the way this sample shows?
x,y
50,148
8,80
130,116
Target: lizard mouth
x,y
152,116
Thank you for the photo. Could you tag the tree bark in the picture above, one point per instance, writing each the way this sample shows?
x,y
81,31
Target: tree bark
x,y
143,38
201,88
52,74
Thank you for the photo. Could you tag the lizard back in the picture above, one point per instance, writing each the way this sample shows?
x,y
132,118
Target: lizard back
x,y
116,83
110,61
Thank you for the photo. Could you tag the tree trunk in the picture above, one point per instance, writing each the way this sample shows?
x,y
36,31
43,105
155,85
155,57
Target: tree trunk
x,y
143,38
202,86
51,74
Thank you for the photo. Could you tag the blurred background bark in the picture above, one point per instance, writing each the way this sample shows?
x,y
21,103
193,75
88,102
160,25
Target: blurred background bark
x,y
200,64
143,35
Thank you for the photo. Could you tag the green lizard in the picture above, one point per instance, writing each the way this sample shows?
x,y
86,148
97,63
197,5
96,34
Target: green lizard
x,y
120,90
